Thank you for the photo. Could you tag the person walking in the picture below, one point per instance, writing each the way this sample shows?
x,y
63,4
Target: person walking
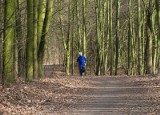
x,y
82,63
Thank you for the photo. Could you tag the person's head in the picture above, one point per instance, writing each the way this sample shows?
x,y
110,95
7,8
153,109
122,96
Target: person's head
x,y
80,53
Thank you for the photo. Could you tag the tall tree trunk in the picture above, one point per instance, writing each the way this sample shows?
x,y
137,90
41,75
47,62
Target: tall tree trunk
x,y
98,36
68,41
110,37
79,36
20,39
62,32
149,38
29,43
158,17
158,35
100,22
1,39
103,18
129,39
117,35
143,41
134,46
42,47
41,16
9,37
73,32
35,45
139,49
84,29
154,43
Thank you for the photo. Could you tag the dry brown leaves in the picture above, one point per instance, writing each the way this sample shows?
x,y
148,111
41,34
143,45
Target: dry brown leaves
x,y
42,97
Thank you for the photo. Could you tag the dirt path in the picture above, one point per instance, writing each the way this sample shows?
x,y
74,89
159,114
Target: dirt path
x,y
120,96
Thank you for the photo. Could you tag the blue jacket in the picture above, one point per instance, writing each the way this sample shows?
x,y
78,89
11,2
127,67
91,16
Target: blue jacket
x,y
81,60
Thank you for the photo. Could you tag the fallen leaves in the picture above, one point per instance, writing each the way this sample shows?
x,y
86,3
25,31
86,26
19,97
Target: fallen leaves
x,y
41,97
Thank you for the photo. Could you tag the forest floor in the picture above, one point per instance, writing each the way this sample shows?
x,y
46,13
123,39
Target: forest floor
x,y
58,95
52,95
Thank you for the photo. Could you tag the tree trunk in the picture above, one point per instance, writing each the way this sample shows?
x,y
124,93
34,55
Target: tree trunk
x,y
117,35
62,32
73,34
9,37
139,49
158,36
35,45
68,41
110,37
79,36
100,24
20,40
129,39
84,29
149,38
98,36
1,40
42,48
41,16
158,17
29,43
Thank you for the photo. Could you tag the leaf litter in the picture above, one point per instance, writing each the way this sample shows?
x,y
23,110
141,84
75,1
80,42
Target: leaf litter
x,y
42,97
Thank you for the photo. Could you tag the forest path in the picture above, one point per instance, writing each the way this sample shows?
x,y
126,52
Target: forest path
x,y
119,96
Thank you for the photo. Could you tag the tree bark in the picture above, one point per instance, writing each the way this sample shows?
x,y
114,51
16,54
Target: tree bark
x,y
79,36
40,16
101,6
129,39
84,29
9,38
35,45
110,37
29,43
20,40
149,38
117,35
139,49
42,48
1,40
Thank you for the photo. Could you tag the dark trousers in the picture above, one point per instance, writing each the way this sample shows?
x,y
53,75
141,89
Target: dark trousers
x,y
81,70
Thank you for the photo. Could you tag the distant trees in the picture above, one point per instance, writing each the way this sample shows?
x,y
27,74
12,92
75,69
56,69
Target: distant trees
x,y
77,22
124,34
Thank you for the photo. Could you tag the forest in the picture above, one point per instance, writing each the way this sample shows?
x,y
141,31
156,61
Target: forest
x,y
118,37
113,35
